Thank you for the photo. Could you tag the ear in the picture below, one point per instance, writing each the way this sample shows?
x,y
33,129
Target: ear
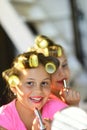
x,y
13,82
13,89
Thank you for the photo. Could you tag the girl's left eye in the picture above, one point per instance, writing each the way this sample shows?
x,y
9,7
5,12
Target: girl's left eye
x,y
45,84
30,83
65,65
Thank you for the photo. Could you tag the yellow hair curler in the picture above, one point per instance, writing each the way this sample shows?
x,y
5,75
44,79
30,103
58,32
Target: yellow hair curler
x,y
33,61
50,67
13,80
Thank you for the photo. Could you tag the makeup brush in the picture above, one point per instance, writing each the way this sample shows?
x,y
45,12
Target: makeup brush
x,y
65,85
37,113
64,82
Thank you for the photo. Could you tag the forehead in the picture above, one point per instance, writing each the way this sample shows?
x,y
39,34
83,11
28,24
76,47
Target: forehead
x,y
63,58
38,72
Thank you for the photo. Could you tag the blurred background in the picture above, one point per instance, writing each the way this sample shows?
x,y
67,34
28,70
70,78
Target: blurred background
x,y
64,21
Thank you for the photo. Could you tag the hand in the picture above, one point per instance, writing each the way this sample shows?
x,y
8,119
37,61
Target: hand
x,y
70,96
36,125
47,123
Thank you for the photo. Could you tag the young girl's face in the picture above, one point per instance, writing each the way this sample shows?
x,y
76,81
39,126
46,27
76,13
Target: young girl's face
x,y
34,88
62,73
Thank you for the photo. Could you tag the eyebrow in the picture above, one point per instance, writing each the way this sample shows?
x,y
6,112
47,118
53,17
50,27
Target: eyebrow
x,y
43,79
65,60
47,79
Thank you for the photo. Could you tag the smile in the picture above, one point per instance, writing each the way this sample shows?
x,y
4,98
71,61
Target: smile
x,y
36,99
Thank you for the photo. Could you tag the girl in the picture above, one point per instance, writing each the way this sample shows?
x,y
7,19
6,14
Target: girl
x,y
62,75
29,80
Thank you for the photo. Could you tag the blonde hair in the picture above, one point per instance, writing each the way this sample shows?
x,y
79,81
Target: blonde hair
x,y
48,47
29,60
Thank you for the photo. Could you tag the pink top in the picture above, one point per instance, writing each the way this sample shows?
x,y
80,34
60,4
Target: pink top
x,y
10,119
53,105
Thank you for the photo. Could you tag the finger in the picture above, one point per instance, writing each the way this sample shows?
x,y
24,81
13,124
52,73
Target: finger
x,y
47,123
35,121
35,125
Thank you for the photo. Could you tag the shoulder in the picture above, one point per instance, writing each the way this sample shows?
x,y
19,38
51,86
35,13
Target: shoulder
x,y
7,115
7,108
55,102
52,106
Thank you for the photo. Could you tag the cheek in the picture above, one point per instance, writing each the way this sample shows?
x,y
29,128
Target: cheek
x,y
54,77
47,92
23,92
68,73
20,94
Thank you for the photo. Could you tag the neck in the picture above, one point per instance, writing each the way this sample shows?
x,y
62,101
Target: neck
x,y
26,115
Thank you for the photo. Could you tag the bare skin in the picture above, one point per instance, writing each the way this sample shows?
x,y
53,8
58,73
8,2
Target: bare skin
x,y
2,128
36,125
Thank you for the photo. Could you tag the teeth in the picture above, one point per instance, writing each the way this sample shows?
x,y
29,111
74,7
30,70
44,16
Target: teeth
x,y
37,99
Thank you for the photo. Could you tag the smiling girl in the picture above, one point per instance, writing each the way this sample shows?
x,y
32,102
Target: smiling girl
x,y
29,79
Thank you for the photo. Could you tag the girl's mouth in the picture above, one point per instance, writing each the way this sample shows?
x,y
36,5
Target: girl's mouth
x,y
36,99
60,82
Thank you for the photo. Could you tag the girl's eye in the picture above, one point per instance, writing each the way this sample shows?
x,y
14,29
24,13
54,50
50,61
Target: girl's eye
x,y
45,84
30,83
65,65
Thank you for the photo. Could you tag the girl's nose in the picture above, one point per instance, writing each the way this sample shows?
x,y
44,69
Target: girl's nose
x,y
61,72
38,88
